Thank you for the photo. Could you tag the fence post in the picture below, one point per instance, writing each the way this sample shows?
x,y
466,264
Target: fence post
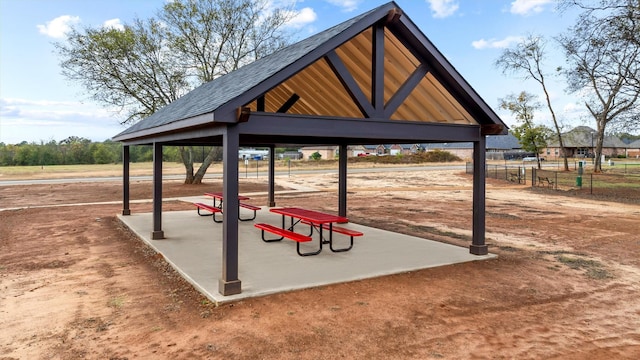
x,y
591,184
533,177
555,183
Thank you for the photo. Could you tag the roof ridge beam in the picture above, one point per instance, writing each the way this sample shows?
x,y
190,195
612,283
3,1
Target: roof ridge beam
x,y
349,83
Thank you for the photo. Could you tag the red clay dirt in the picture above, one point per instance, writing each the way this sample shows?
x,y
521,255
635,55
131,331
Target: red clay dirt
x,y
75,284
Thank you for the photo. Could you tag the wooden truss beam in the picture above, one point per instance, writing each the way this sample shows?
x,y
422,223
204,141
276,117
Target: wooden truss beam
x,y
351,86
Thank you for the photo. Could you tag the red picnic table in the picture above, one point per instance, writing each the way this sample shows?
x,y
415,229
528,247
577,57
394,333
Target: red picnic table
x,y
316,220
217,206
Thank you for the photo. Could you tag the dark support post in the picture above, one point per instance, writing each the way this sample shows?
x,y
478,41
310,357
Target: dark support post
x,y
229,284
125,180
157,192
478,246
272,176
377,69
342,180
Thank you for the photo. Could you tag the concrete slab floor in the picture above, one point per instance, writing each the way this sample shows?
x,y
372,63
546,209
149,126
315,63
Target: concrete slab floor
x,y
193,246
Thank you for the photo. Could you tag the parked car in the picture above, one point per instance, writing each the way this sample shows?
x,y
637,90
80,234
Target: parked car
x,y
531,158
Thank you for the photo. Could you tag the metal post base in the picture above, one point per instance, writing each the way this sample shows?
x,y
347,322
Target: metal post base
x,y
227,288
126,212
479,249
157,235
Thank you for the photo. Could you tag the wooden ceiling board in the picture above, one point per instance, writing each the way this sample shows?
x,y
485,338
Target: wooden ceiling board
x,y
420,102
333,94
321,92
458,107
356,55
398,65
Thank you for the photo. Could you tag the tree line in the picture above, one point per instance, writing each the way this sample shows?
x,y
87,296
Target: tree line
x,y
77,150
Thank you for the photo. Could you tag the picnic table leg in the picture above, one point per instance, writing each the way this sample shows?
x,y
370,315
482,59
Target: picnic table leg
x,y
322,240
331,241
315,252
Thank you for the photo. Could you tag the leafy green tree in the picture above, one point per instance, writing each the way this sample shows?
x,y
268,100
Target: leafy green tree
x,y
76,150
7,153
104,153
316,156
141,153
50,153
25,154
527,58
532,137
152,62
603,55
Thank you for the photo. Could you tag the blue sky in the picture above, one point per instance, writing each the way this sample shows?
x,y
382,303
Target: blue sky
x,y
38,104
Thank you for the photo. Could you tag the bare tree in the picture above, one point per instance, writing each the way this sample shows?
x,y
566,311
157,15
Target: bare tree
x,y
151,63
603,53
526,59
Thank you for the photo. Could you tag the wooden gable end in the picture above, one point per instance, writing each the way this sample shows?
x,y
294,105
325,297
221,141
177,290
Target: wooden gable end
x,y
348,82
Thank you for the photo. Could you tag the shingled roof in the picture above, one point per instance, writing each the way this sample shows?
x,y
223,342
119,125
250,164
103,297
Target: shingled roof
x,y
211,95
584,137
332,75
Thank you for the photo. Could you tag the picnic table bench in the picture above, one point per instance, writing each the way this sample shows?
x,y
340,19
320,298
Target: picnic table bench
x,y
284,233
217,207
211,209
341,230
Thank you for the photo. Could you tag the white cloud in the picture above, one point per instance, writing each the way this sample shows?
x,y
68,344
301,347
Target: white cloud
x,y
52,113
346,5
302,18
36,120
443,8
59,26
495,44
113,24
527,7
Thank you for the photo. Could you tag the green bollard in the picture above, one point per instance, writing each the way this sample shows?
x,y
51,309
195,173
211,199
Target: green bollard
x,y
579,178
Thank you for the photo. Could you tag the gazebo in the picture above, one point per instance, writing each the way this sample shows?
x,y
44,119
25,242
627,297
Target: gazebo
x,y
373,79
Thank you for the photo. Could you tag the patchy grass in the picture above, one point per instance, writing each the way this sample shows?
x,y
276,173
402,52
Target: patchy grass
x,y
594,269
508,248
117,301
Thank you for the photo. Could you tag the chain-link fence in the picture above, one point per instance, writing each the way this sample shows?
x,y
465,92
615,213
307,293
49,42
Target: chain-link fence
x,y
618,181
515,174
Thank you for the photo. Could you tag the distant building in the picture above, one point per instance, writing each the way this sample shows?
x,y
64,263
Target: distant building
x,y
326,152
633,150
498,147
580,142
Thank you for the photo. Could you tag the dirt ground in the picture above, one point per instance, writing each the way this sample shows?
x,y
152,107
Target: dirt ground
x,y
74,284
